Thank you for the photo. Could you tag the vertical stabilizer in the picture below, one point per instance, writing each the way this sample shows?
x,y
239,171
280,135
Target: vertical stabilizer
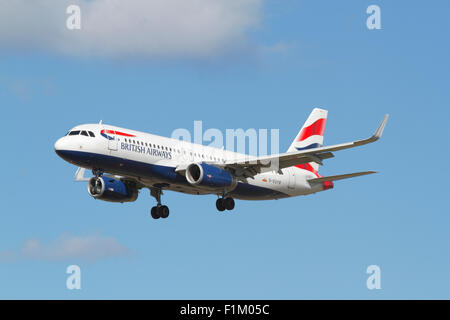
x,y
311,136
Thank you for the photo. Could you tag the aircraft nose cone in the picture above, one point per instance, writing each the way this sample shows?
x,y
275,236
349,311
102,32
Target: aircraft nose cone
x,y
57,145
60,146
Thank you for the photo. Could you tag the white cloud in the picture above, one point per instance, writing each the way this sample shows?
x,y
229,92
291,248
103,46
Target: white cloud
x,y
89,248
152,28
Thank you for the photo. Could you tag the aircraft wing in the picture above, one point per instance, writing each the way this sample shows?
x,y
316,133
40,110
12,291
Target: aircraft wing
x,y
251,166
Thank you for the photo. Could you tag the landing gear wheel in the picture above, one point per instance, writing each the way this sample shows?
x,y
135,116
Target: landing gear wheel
x,y
155,213
220,205
163,211
228,203
158,211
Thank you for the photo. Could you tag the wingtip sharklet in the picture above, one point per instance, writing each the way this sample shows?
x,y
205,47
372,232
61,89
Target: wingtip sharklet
x,y
380,129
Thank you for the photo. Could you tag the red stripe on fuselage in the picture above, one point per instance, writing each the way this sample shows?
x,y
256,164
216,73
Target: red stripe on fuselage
x,y
316,128
117,133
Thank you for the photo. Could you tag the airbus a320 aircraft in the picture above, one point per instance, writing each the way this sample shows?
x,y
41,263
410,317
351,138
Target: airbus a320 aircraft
x,y
125,161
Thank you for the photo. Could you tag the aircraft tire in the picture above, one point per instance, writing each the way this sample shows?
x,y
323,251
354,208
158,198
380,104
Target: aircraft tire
x,y
220,205
155,213
228,203
164,211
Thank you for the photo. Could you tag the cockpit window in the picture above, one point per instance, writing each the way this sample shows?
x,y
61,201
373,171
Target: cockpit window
x,y
83,133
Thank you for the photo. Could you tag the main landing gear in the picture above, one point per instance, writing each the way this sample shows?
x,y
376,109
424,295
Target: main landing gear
x,y
97,172
158,211
225,204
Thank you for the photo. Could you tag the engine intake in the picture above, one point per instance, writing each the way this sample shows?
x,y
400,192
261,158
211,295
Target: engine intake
x,y
210,177
113,190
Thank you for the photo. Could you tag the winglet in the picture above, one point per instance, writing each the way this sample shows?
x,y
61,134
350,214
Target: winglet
x,y
380,129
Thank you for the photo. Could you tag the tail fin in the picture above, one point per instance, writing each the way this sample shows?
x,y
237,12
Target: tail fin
x,y
311,136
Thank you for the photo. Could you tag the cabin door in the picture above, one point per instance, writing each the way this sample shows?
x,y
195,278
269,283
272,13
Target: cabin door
x,y
113,143
291,183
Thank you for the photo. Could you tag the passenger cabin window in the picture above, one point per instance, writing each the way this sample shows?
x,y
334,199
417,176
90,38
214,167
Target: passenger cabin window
x,y
74,133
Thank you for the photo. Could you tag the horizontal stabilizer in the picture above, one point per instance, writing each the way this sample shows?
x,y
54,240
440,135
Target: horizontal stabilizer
x,y
340,176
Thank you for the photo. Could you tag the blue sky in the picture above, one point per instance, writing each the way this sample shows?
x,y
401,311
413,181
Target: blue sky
x,y
266,68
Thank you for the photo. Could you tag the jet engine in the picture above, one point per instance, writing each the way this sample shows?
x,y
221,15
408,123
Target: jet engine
x,y
209,177
113,190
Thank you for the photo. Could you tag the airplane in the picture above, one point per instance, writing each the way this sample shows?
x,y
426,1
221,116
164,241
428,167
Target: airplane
x,y
124,161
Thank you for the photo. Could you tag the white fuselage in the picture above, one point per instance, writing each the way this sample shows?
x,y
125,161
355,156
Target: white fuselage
x,y
153,160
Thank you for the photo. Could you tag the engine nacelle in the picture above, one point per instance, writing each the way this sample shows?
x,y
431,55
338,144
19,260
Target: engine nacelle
x,y
110,189
210,177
